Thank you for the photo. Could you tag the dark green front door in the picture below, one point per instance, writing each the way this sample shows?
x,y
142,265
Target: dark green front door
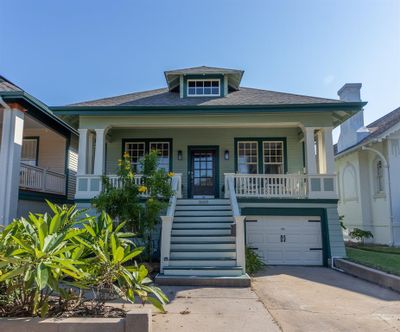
x,y
203,172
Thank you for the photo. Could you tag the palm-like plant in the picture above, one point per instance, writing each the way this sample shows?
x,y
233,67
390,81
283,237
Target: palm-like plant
x,y
43,253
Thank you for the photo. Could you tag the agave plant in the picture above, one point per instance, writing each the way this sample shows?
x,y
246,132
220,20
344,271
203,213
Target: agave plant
x,y
41,254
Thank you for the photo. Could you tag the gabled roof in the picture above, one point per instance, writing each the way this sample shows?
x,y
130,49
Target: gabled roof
x,y
6,85
242,97
377,129
234,75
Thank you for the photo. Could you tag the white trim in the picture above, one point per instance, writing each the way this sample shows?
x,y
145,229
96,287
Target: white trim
x,y
238,155
203,80
271,163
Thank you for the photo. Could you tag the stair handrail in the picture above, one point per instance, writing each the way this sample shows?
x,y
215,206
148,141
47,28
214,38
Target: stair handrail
x,y
167,219
238,221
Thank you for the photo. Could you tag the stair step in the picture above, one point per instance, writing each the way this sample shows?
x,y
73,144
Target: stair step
x,y
211,271
216,245
204,218
210,224
198,207
210,213
203,253
201,261
201,231
203,202
178,280
202,238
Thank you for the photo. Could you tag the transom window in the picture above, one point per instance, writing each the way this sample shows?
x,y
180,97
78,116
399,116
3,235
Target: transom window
x,y
203,87
138,149
30,149
260,156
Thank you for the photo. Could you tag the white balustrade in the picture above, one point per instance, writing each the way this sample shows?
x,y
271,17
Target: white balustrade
x,y
42,180
283,185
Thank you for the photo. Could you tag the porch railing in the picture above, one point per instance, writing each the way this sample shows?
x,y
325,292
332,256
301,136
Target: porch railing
x,y
89,185
40,179
282,185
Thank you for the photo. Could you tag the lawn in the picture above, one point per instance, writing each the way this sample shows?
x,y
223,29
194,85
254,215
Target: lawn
x,y
380,257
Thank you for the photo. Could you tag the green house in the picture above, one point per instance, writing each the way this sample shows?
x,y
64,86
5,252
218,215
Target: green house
x,y
252,167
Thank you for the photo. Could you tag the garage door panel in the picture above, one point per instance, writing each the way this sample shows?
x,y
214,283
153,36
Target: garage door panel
x,y
300,234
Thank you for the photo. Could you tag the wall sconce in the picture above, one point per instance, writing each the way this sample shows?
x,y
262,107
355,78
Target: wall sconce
x,y
226,155
180,155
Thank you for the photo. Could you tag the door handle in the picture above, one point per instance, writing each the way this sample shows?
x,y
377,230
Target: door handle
x,y
281,238
284,238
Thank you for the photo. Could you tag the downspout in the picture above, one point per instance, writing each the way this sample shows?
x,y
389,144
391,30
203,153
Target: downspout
x,y
386,166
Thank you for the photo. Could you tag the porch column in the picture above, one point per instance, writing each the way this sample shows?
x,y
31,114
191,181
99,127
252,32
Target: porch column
x,y
99,152
10,159
82,151
328,149
311,164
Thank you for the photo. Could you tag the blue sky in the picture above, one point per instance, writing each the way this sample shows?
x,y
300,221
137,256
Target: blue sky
x,y
67,51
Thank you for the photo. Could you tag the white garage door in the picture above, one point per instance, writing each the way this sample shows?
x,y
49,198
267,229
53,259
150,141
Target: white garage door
x,y
285,240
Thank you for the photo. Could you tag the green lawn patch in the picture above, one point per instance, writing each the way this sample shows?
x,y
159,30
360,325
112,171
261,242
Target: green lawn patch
x,y
375,247
384,261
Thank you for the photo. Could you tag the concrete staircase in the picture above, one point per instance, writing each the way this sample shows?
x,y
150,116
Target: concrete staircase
x,y
203,250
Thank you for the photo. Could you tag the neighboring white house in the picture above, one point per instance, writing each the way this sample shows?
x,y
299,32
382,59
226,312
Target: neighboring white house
x,y
367,164
38,155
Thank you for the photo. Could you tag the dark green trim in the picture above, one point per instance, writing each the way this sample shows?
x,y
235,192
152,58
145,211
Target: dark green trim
x,y
319,212
37,138
260,140
66,169
40,197
288,200
39,111
155,110
146,142
191,148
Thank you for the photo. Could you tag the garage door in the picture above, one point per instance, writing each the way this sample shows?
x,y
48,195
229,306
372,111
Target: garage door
x,y
284,240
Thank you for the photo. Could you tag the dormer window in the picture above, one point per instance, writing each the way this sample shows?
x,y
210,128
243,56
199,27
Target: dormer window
x,y
201,88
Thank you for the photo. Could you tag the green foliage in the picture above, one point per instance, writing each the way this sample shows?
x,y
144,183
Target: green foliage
x,y
43,255
253,262
124,203
360,235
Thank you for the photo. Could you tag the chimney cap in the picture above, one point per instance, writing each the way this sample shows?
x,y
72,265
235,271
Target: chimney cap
x,y
350,92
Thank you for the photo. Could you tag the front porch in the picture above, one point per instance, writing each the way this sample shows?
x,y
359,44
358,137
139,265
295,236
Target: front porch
x,y
291,162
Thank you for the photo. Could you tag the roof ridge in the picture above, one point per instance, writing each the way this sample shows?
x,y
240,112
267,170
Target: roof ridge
x,y
382,118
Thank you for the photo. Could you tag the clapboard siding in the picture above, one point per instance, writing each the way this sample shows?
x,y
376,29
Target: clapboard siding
x,y
223,137
335,233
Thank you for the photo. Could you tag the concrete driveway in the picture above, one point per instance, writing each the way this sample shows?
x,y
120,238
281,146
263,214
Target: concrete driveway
x,y
196,309
320,299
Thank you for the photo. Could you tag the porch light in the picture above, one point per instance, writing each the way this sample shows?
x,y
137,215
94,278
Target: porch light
x,y
179,154
226,155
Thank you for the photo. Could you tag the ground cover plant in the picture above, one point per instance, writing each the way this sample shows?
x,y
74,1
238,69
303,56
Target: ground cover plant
x,y
65,262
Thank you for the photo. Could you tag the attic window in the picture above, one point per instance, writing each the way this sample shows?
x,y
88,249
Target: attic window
x,y
198,88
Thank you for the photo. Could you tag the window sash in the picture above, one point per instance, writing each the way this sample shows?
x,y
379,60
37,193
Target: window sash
x,y
273,157
138,149
199,88
29,154
247,150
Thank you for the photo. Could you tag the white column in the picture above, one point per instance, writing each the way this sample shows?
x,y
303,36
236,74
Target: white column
x,y
90,157
82,151
328,149
321,165
99,152
10,159
311,164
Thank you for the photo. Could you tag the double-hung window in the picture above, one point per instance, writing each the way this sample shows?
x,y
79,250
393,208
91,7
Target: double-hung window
x,y
198,88
30,149
139,148
260,156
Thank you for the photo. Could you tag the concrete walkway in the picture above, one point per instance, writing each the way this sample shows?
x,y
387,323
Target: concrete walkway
x,y
320,299
194,309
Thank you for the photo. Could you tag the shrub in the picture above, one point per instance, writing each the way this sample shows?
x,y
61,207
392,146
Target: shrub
x,y
125,204
360,235
42,256
254,262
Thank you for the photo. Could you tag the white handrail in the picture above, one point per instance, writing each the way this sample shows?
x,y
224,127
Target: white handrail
x,y
42,180
238,222
167,220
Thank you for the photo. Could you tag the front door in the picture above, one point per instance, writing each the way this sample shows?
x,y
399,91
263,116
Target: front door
x,y
203,173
